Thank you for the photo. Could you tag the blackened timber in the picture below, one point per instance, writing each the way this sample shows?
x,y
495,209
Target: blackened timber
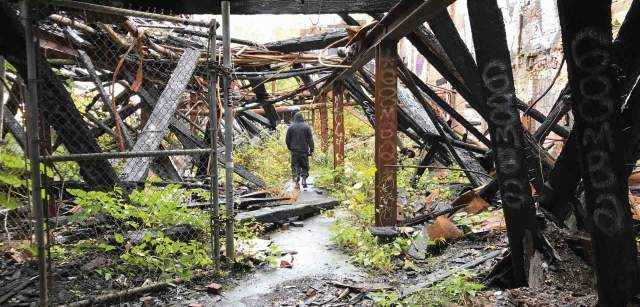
x,y
507,134
121,132
159,120
54,98
426,160
12,126
385,133
586,31
558,111
462,157
253,7
309,42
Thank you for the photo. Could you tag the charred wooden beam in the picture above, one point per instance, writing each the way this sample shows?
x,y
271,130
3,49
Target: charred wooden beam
x,y
156,128
427,114
259,89
11,125
385,133
278,75
309,42
253,7
586,39
507,135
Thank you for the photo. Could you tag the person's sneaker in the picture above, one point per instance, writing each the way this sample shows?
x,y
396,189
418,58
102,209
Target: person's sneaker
x,y
304,183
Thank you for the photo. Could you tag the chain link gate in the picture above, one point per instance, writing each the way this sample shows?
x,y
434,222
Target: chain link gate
x,y
128,173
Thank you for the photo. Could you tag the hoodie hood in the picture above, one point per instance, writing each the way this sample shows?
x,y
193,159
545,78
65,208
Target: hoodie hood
x,y
298,118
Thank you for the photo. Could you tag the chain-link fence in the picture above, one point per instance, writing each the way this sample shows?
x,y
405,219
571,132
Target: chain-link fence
x,y
128,172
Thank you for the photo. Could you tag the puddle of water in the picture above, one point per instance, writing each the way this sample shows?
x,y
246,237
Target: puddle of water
x,y
316,256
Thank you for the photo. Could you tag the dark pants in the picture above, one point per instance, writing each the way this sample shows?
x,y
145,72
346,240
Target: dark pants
x,y
299,165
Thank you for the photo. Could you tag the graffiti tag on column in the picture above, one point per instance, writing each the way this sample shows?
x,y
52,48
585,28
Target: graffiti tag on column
x,y
594,112
506,134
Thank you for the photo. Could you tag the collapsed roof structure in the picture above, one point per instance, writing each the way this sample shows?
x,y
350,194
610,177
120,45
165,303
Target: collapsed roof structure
x,y
150,59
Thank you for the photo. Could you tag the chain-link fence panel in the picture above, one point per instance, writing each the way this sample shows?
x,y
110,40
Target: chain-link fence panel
x,y
124,133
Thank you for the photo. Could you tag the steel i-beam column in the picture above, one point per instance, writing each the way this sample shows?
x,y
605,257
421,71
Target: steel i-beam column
x,y
385,130
324,124
338,127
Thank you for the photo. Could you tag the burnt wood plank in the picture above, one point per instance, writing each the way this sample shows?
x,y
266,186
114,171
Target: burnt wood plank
x,y
156,128
507,134
587,43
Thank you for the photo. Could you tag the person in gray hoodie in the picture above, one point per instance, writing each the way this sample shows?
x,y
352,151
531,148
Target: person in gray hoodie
x,y
300,143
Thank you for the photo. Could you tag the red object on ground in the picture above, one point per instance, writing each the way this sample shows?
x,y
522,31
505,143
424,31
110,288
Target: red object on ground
x,y
286,261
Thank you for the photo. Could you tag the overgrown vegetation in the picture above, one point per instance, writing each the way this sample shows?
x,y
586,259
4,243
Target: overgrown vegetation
x,y
457,289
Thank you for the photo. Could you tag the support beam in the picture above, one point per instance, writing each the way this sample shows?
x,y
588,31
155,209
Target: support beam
x,y
309,42
385,133
507,135
586,31
338,127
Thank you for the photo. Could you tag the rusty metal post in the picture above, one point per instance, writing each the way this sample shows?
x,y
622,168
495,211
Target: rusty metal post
x,y
338,127
228,133
33,151
214,210
324,124
386,129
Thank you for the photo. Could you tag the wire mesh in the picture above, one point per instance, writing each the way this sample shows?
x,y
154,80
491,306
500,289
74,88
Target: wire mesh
x,y
111,223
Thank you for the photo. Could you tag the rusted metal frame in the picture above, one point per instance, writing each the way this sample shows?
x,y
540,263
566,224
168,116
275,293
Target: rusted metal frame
x,y
540,162
406,78
468,86
309,86
338,127
586,39
386,101
309,42
405,16
324,125
270,75
507,135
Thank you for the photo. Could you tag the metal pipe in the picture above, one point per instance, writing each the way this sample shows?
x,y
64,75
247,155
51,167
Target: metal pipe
x,y
128,154
2,72
125,12
33,151
214,210
228,129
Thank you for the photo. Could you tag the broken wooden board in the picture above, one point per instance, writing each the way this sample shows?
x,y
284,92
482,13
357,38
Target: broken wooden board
x,y
156,128
272,215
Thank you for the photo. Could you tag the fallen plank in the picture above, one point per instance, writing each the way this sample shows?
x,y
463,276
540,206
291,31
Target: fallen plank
x,y
272,215
156,128
12,126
